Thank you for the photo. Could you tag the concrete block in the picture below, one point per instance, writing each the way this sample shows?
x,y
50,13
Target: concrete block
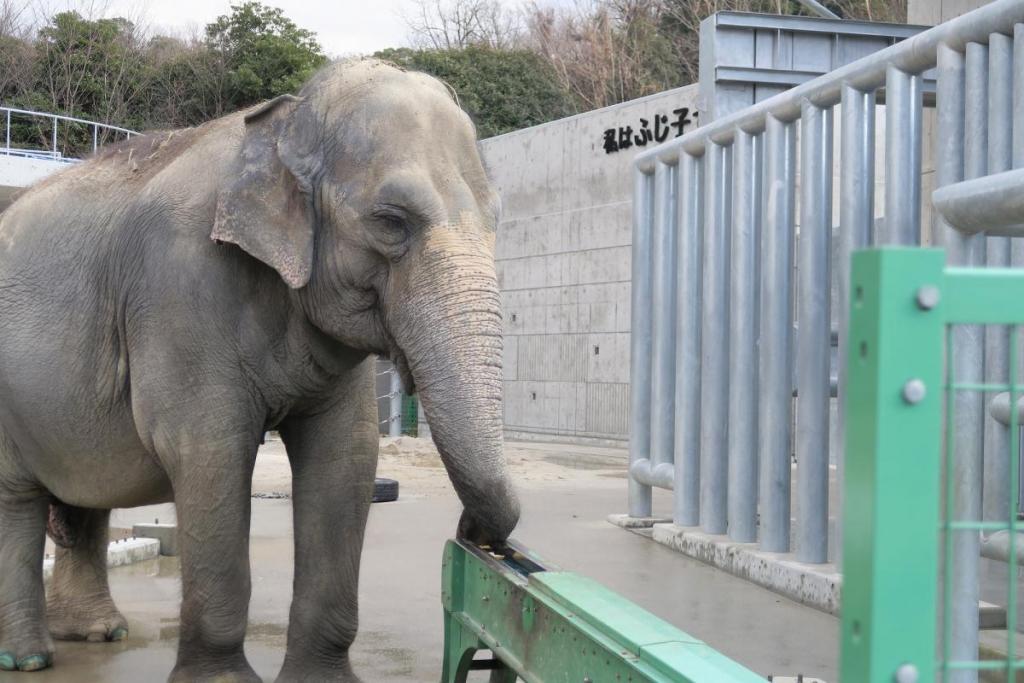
x,y
627,522
119,553
166,534
510,357
608,357
608,410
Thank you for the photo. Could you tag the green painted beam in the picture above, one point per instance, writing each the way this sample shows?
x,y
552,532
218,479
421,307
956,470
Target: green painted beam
x,y
893,466
547,626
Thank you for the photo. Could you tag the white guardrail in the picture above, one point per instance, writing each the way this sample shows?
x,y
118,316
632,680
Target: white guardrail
x,y
100,133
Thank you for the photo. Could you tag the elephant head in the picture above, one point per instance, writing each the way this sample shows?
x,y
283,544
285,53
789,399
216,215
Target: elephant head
x,y
366,193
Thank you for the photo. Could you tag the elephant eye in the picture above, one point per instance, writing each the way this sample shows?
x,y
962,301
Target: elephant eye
x,y
393,222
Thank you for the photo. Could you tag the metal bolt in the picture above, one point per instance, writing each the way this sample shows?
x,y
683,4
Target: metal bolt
x,y
927,297
913,391
907,673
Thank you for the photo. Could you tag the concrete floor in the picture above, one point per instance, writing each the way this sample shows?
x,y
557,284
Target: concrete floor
x,y
400,634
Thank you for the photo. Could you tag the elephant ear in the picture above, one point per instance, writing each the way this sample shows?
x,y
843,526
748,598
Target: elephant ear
x,y
267,208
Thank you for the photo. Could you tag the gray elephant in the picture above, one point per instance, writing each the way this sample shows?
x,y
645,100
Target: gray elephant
x,y
165,303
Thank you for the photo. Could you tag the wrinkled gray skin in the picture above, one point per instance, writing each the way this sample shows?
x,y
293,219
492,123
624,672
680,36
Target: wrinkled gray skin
x,y
164,304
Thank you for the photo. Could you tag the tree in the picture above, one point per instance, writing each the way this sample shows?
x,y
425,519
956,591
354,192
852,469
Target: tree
x,y
454,24
264,53
606,51
503,90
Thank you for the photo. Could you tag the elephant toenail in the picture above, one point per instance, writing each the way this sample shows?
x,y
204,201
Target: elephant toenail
x,y
33,662
7,662
119,633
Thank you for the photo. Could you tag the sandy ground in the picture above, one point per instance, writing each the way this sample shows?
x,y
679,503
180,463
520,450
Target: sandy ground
x,y
566,493
417,466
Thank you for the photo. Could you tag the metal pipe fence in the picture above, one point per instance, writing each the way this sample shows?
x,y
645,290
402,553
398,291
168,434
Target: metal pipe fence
x,y
96,134
733,246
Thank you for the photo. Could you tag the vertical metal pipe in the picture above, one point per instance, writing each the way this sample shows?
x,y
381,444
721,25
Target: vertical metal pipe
x,y
8,131
663,311
1018,99
902,223
856,224
814,335
54,137
961,102
775,365
640,340
743,293
714,380
95,133
686,495
995,458
395,404
1017,160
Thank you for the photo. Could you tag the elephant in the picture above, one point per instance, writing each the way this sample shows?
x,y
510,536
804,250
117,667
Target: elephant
x,y
167,301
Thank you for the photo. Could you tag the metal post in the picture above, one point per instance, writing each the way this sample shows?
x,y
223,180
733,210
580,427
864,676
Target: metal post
x,y
95,133
663,310
714,380
1018,97
742,494
1017,160
395,404
640,341
856,224
902,159
775,365
686,509
956,146
814,337
995,496
54,137
8,131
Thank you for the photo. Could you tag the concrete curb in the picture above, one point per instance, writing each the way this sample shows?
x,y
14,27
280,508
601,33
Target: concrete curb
x,y
120,553
627,522
815,585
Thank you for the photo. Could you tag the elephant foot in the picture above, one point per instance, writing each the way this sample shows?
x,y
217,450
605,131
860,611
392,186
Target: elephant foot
x,y
96,620
310,668
28,654
236,672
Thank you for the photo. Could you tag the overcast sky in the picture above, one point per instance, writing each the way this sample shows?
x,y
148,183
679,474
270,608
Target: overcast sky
x,y
343,27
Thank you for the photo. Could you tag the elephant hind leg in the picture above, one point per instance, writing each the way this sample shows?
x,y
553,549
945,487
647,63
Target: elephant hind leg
x,y
79,606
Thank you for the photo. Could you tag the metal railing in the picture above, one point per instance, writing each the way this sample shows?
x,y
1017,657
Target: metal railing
x,y
96,133
717,213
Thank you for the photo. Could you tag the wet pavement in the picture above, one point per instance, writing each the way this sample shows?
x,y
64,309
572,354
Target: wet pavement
x,y
400,636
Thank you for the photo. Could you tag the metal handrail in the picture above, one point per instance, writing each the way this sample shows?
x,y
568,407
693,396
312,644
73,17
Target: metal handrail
x,y
54,153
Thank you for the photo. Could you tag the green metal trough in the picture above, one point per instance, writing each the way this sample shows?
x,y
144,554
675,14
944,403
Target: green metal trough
x,y
542,625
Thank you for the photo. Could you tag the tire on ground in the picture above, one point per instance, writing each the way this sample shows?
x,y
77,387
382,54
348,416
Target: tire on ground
x,y
385,490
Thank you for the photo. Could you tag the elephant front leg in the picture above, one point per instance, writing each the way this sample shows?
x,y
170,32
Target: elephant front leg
x,y
211,493
334,460
25,643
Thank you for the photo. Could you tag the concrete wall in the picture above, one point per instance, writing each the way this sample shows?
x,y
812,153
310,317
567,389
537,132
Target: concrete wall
x,y
17,173
563,254
933,12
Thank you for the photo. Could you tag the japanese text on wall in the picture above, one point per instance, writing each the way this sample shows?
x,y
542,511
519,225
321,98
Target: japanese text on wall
x,y
624,137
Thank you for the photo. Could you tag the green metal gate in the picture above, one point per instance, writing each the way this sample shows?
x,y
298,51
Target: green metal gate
x,y
901,525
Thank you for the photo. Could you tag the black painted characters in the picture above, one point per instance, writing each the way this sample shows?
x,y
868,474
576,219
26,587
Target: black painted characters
x,y
624,137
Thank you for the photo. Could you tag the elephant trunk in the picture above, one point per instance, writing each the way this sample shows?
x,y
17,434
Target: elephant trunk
x,y
448,331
